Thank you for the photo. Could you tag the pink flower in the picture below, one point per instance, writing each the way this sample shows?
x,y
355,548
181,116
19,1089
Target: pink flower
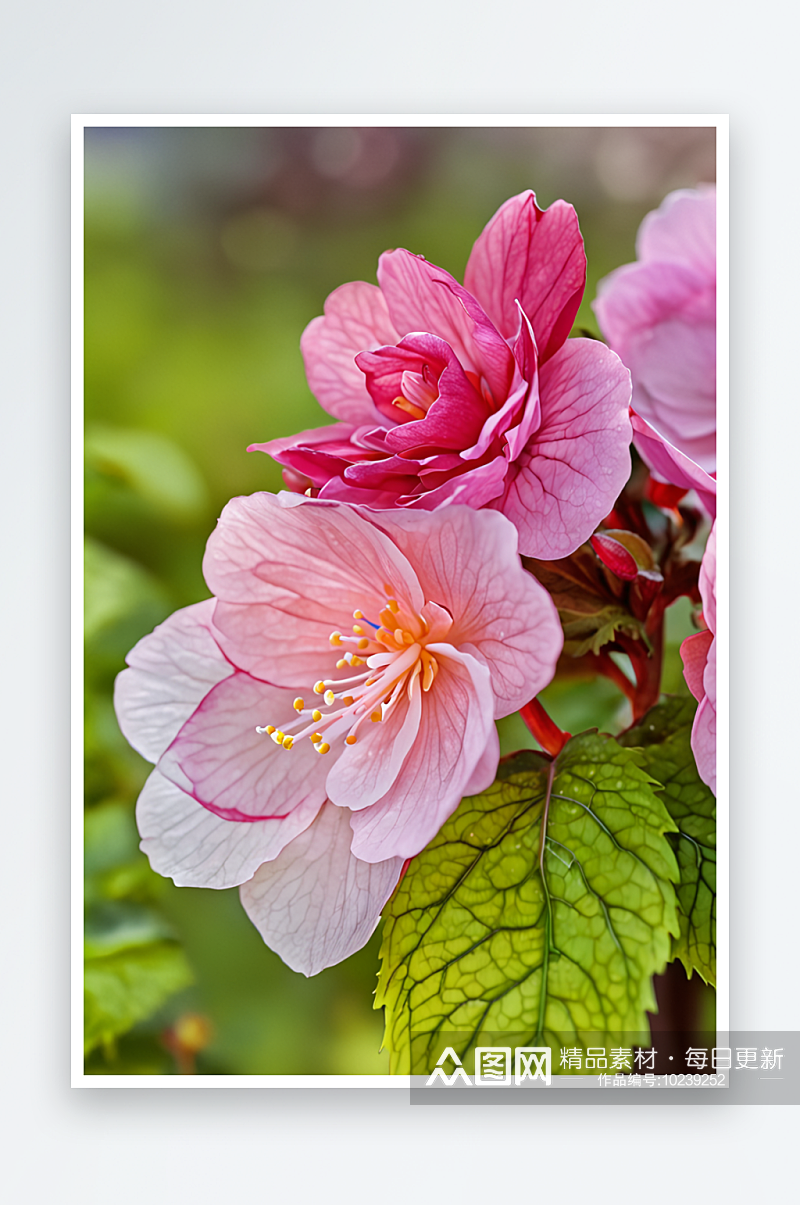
x,y
471,394
303,756
659,315
699,654
668,464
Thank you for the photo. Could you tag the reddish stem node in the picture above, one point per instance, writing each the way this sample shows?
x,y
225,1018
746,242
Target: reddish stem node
x,y
539,724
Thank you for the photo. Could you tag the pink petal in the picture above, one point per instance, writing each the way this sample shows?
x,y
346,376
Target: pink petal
x,y
573,468
172,670
356,319
290,570
317,903
453,421
694,654
318,453
453,735
704,729
672,465
422,297
708,581
467,562
485,771
535,257
240,774
364,772
190,845
683,229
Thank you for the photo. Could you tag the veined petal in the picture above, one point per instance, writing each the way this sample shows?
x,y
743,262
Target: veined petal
x,y
364,772
317,453
356,319
240,774
288,571
672,465
453,735
574,466
467,561
317,903
694,654
533,256
171,672
195,848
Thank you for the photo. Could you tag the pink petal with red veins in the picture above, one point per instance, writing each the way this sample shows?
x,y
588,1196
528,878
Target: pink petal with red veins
x,y
240,774
172,670
694,654
473,487
195,848
422,297
683,229
364,772
573,468
356,319
289,571
672,465
453,420
535,257
317,903
704,729
453,735
466,561
317,453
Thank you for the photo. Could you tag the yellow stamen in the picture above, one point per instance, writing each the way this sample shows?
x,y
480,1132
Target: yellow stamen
x,y
330,697
277,736
404,404
350,740
298,704
408,638
393,605
358,615
270,728
354,661
324,747
288,741
335,638
363,643
376,717
319,688
347,700
315,736
359,631
316,715
341,664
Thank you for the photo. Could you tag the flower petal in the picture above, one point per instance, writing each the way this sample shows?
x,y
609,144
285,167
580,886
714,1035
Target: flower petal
x,y
573,468
672,465
533,256
240,774
193,847
364,772
356,319
683,229
172,670
317,903
453,735
318,453
466,561
694,654
288,570
704,729
485,772
708,581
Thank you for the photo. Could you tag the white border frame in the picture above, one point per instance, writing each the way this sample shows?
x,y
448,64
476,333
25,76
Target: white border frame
x,y
79,124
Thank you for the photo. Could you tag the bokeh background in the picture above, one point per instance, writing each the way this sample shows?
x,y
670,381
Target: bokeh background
x,y
207,251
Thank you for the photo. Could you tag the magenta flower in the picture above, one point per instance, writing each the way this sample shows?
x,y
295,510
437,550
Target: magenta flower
x,y
699,654
659,315
316,721
471,394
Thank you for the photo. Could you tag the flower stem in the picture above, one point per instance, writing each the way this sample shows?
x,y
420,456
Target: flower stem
x,y
539,724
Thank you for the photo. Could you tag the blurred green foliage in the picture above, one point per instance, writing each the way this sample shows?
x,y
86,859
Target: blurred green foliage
x,y
206,254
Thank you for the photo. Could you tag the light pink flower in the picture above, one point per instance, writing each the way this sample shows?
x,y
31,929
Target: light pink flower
x,y
699,654
669,464
315,722
471,394
659,315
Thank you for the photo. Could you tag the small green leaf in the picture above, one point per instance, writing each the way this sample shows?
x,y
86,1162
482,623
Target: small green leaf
x,y
479,941
128,986
664,736
153,466
120,598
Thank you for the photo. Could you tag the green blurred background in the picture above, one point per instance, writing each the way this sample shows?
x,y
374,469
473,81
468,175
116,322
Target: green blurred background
x,y
207,251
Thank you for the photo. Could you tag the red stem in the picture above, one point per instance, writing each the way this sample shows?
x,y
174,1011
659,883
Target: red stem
x,y
539,724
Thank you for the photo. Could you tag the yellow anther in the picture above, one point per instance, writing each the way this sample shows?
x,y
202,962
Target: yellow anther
x,y
387,589
316,715
354,661
358,615
335,638
330,698
359,631
270,728
350,740
376,717
319,688
347,700
393,605
324,747
402,403
277,736
363,643
341,664
288,741
315,736
370,681
408,638
298,704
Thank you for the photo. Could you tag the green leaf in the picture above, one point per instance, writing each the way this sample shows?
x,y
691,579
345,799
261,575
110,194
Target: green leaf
x,y
664,736
121,601
479,941
127,986
153,466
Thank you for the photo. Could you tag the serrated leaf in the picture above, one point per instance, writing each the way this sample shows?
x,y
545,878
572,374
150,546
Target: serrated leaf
x,y
664,736
479,941
128,986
